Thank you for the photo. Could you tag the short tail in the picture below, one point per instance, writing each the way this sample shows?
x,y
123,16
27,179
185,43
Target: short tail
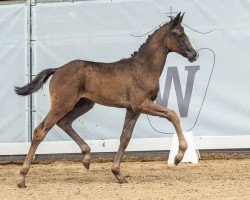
x,y
35,84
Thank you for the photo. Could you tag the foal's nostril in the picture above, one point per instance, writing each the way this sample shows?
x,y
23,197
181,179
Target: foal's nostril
x,y
195,54
192,55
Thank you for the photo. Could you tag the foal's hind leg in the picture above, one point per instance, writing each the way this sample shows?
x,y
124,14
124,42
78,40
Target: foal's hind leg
x,y
54,115
81,107
128,128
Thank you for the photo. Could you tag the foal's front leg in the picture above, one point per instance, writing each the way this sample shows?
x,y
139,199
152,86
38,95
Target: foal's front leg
x,y
128,128
151,108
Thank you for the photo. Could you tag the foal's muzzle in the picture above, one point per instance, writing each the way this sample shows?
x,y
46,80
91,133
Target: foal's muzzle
x,y
192,55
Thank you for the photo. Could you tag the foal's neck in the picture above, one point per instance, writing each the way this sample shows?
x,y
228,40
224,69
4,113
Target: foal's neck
x,y
154,59
153,52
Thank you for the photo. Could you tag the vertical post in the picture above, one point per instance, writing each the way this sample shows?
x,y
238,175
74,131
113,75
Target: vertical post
x,y
30,61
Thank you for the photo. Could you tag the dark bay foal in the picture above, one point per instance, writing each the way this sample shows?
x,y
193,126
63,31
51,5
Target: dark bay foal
x,y
131,83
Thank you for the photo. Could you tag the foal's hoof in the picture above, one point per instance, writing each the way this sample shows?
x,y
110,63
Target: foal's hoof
x,y
21,185
122,180
86,165
177,159
86,162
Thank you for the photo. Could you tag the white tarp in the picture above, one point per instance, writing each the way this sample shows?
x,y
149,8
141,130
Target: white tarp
x,y
13,24
101,31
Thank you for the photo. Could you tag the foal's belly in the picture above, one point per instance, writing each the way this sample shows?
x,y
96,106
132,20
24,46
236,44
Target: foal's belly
x,y
109,95
109,101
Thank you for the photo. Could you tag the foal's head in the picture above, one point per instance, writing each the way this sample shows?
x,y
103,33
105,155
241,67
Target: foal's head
x,y
177,41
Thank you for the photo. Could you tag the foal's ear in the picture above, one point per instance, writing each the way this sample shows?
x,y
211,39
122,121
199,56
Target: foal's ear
x,y
181,18
175,21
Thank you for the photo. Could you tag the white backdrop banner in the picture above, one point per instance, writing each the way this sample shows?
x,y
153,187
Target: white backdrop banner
x,y
13,115
102,31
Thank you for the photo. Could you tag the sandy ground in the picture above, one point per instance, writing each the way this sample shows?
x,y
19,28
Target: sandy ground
x,y
210,179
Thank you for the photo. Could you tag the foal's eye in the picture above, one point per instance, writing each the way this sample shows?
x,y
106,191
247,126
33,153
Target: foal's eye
x,y
179,35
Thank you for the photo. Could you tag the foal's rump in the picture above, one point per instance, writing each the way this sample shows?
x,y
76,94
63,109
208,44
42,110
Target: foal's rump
x,y
65,72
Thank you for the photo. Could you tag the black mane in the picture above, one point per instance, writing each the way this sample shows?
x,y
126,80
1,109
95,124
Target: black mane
x,y
143,47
